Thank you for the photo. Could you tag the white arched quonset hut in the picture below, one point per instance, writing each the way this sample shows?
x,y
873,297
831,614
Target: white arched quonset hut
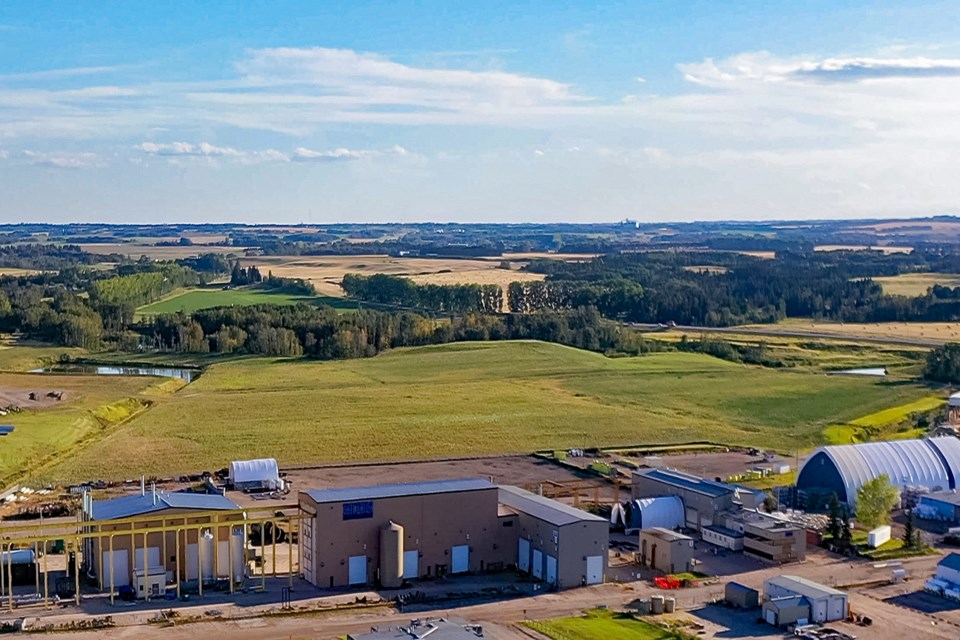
x,y
933,463
255,475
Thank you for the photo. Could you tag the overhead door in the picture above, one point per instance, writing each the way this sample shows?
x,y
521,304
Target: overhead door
x,y
523,556
121,568
551,570
460,559
411,564
771,617
357,570
819,610
594,569
153,558
537,564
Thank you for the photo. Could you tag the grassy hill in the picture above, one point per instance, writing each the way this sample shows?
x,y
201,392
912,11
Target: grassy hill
x,y
474,398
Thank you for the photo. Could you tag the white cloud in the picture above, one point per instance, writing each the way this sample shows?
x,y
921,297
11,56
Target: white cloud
x,y
301,154
62,159
204,149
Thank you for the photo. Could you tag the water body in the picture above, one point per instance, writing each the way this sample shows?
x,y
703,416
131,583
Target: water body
x,y
108,370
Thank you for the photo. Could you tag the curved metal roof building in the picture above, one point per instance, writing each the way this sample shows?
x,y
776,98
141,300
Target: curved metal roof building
x,y
843,469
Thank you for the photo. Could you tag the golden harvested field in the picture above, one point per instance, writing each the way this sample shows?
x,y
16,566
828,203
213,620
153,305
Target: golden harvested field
x,y
156,253
325,272
13,271
916,284
932,331
862,247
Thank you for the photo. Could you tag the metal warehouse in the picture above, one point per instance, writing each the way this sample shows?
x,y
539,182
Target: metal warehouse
x,y
562,545
825,603
943,506
933,463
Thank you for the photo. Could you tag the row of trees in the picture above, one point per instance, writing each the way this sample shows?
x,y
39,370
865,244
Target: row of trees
x,y
320,332
433,298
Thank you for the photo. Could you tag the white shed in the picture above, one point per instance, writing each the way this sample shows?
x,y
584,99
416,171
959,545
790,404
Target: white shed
x,y
948,569
262,473
826,604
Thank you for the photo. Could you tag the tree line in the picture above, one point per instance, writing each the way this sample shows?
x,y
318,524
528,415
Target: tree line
x,y
439,299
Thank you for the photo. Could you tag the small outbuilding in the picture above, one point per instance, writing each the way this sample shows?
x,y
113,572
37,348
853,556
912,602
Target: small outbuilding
x,y
665,550
741,596
948,569
261,474
942,506
826,604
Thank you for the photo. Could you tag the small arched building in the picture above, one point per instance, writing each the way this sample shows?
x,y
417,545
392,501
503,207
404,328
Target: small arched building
x,y
933,463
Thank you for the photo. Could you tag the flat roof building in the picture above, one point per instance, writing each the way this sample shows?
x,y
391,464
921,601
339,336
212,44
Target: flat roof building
x,y
767,536
386,534
943,506
702,499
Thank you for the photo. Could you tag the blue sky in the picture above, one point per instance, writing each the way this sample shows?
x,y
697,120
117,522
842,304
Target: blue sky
x,y
482,111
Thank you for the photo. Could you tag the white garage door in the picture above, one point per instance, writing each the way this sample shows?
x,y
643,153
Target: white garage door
x,y
771,617
411,564
551,570
820,611
153,558
594,569
537,564
358,570
523,556
460,559
121,569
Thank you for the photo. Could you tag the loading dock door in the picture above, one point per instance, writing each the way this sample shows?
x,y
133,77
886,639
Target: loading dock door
x,y
358,570
153,558
551,570
460,559
594,569
121,570
523,556
411,564
820,611
538,564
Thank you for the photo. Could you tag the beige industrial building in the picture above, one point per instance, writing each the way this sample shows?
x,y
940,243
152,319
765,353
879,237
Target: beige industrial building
x,y
791,599
388,534
124,556
562,545
665,550
766,536
429,529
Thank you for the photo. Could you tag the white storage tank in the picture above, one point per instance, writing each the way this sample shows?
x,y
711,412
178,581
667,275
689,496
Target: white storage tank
x,y
391,556
238,552
206,555
669,605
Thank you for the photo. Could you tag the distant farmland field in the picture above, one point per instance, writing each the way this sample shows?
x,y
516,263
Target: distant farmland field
x,y
326,272
472,399
916,284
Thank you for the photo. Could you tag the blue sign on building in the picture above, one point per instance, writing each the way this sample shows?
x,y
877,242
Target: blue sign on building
x,y
357,510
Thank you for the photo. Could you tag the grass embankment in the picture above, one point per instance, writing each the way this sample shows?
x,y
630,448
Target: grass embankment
x,y
90,408
895,423
892,549
474,399
604,625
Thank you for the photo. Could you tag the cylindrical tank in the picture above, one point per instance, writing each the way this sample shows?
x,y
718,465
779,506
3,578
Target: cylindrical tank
x,y
669,605
391,556
643,607
239,557
656,604
206,555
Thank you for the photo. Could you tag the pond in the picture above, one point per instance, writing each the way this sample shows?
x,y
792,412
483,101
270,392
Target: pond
x,y
110,370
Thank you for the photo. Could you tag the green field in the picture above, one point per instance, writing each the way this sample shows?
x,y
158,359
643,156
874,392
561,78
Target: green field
x,y
472,399
192,300
603,625
91,407
893,423
916,284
